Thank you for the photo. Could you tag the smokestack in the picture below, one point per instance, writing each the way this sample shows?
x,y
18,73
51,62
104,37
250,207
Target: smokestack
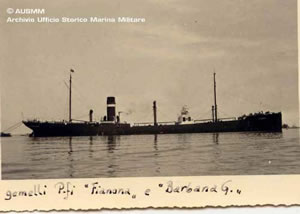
x,y
111,108
154,113
91,115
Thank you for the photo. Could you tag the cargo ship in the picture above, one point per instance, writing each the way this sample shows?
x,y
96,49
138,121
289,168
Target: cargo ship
x,y
111,123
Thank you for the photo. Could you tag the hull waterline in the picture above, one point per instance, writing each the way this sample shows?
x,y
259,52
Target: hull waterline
x,y
262,123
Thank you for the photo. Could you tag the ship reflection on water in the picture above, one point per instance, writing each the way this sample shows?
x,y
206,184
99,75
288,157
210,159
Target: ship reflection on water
x,y
151,155
70,159
111,143
216,138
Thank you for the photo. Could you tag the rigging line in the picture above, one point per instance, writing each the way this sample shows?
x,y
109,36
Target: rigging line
x,y
79,99
16,127
79,95
66,84
12,127
76,94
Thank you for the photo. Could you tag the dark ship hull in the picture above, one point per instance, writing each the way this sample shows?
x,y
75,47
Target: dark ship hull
x,y
255,123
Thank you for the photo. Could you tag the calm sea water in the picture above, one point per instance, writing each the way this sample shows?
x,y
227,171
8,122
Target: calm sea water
x,y
149,155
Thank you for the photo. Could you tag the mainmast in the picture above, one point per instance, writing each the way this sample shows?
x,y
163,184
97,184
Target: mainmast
x,y
70,96
215,98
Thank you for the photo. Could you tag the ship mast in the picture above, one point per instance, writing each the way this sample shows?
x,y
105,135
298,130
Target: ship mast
x,y
70,96
215,98
155,113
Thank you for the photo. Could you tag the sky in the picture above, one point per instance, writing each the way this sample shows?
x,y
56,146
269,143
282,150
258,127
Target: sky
x,y
171,58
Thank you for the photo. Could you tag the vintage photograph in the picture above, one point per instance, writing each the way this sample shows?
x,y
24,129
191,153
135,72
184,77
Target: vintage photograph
x,y
103,89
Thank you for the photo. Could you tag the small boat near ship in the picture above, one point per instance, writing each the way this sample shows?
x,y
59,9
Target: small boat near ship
x,y
4,134
7,132
112,125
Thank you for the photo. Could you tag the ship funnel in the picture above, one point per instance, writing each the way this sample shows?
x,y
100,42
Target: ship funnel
x,y
91,115
111,108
